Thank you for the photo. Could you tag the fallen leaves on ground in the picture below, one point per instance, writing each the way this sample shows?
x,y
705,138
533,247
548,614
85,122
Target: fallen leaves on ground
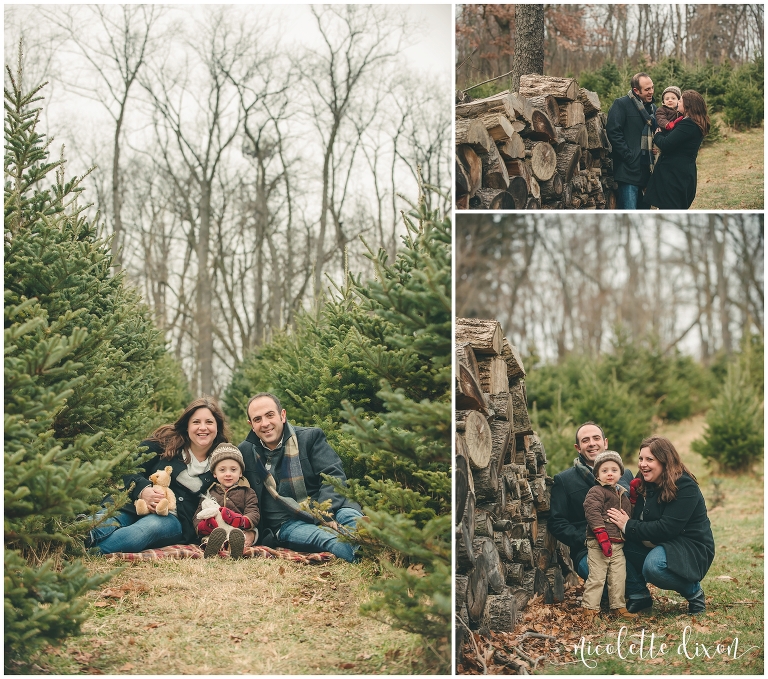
x,y
505,652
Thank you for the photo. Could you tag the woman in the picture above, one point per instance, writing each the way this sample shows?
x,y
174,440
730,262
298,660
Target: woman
x,y
184,445
673,182
668,538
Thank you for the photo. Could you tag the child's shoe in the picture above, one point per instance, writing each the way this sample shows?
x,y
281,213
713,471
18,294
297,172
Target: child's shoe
x,y
623,613
236,543
215,541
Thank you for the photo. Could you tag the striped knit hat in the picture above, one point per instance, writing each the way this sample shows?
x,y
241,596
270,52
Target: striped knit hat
x,y
605,456
674,89
226,451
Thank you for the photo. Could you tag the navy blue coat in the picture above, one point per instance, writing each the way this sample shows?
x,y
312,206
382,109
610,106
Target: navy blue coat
x,y
316,457
682,527
673,183
625,128
567,521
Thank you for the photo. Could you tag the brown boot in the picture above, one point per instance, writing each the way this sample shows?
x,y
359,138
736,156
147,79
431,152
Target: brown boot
x,y
623,613
590,613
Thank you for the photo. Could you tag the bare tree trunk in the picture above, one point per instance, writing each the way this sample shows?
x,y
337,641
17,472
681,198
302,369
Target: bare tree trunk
x,y
722,283
529,42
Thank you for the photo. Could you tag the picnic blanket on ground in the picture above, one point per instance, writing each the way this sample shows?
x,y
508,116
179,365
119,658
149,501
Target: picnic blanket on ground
x,y
195,552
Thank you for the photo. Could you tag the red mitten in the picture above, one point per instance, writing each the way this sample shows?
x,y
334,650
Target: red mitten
x,y
206,526
234,519
634,484
603,539
671,124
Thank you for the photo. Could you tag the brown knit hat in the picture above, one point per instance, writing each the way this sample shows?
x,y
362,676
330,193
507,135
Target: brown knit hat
x,y
674,89
226,451
605,456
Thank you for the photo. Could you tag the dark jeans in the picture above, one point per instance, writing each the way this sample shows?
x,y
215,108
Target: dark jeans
x,y
652,566
634,588
628,197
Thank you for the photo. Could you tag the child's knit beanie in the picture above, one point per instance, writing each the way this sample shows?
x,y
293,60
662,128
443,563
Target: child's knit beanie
x,y
605,456
672,88
226,451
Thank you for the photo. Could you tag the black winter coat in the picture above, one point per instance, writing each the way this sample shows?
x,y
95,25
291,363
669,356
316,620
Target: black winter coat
x,y
681,526
673,184
625,129
316,457
186,500
567,521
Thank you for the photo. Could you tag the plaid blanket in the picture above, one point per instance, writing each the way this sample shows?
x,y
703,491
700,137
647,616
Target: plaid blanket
x,y
195,552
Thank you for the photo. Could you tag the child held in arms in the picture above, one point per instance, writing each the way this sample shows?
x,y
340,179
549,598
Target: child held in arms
x,y
667,115
238,501
605,551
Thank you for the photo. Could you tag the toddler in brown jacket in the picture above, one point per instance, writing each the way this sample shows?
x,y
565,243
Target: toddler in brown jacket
x,y
605,551
238,502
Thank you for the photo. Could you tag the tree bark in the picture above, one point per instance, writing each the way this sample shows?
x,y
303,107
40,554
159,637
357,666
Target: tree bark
x,y
472,132
501,611
468,392
529,42
535,84
483,335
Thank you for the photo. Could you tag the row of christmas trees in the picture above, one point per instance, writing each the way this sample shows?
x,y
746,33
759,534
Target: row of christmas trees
x,y
87,376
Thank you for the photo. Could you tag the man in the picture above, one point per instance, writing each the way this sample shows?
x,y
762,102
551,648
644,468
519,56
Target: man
x,y
284,464
630,128
567,521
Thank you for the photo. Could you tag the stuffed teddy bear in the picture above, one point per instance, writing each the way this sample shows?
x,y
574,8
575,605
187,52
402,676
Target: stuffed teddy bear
x,y
209,509
161,480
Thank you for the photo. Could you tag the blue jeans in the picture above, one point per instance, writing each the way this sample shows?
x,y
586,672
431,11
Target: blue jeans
x,y
306,537
656,572
127,532
634,587
627,197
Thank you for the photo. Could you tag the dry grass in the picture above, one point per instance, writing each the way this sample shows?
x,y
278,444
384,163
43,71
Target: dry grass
x,y
731,172
253,616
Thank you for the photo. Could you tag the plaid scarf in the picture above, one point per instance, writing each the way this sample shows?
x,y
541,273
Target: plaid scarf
x,y
585,471
291,478
646,141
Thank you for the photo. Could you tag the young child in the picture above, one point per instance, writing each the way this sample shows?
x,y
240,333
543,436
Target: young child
x,y
605,555
239,505
667,115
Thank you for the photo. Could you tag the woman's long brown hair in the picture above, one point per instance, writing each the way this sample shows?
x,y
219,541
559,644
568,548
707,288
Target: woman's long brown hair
x,y
174,437
672,467
696,110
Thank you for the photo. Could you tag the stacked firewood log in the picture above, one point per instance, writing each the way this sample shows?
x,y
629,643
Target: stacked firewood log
x,y
544,146
504,552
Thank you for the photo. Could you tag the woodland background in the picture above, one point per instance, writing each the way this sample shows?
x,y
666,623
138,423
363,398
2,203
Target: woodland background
x,y
239,155
628,320
717,50
238,175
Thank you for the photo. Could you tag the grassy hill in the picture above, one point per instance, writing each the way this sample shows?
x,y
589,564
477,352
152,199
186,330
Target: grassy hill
x,y
252,616
731,172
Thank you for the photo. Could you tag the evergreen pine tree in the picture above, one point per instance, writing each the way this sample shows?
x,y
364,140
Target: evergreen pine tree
x,y
378,356
407,447
734,436
86,377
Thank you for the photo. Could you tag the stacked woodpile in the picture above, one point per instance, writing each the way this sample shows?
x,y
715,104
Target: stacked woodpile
x,y
544,146
504,552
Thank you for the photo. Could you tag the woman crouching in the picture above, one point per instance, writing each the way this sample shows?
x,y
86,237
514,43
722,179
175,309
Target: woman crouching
x,y
669,537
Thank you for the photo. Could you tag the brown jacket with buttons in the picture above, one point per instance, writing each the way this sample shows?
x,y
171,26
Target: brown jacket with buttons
x,y
597,503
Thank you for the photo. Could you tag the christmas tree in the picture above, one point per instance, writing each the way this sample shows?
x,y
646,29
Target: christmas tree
x,y
87,376
372,368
